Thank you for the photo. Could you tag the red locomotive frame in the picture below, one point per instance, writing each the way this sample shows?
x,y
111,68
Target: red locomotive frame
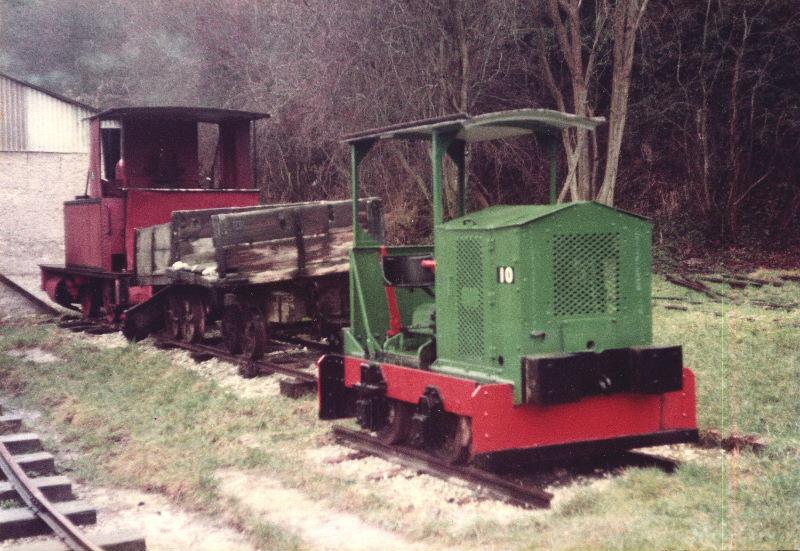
x,y
616,421
143,166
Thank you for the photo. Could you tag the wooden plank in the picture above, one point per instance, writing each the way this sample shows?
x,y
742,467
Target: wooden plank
x,y
274,276
194,224
21,443
21,522
144,247
280,223
55,488
153,249
281,254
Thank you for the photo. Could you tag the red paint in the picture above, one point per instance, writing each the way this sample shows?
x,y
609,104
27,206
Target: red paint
x,y
679,409
429,264
498,424
83,233
147,207
139,294
395,320
234,160
408,384
93,231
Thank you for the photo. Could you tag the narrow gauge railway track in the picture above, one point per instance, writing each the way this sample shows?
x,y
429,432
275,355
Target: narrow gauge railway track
x,y
44,504
497,486
38,303
516,488
291,363
92,327
286,359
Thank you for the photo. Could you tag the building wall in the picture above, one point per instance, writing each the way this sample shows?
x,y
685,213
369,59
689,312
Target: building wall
x,y
44,145
31,120
33,187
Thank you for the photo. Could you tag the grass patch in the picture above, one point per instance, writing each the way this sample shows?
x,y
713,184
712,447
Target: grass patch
x,y
140,421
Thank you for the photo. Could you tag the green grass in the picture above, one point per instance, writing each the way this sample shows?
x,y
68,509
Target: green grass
x,y
141,422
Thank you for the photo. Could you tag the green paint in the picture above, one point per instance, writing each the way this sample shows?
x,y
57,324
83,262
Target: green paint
x,y
510,280
575,277
553,171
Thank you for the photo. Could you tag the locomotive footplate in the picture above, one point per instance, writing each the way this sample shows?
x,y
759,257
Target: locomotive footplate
x,y
597,448
563,378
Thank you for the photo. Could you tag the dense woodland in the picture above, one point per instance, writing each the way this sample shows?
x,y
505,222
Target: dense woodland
x,y
702,97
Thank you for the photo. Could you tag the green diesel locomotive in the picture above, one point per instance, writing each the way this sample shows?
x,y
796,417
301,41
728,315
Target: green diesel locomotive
x,y
522,328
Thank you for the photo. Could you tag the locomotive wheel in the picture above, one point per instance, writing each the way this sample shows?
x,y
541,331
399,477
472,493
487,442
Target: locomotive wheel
x,y
193,320
108,302
173,318
232,326
254,334
398,423
90,302
452,438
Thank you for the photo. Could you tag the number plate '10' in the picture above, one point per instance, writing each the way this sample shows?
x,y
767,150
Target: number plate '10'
x,y
505,274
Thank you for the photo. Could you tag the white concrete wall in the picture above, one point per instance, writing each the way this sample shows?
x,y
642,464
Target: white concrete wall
x,y
33,187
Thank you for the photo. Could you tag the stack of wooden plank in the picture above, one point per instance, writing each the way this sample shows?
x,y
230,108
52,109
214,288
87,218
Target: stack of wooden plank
x,y
262,244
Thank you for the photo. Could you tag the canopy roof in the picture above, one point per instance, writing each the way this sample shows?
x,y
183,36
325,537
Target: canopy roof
x,y
491,126
191,114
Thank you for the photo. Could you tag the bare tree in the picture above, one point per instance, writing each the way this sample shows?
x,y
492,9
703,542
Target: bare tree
x,y
576,32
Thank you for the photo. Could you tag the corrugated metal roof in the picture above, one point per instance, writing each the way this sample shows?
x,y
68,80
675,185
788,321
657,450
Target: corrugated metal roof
x,y
13,129
34,119
49,93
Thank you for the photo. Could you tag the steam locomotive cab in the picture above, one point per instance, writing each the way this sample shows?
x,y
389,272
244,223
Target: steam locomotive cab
x,y
144,164
523,328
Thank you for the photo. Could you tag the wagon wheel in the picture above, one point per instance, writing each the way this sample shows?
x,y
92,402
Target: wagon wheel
x,y
254,334
451,438
173,317
397,424
193,321
232,326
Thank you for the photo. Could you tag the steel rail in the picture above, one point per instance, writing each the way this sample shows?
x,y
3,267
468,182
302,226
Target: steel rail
x,y
502,488
228,357
36,501
30,297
